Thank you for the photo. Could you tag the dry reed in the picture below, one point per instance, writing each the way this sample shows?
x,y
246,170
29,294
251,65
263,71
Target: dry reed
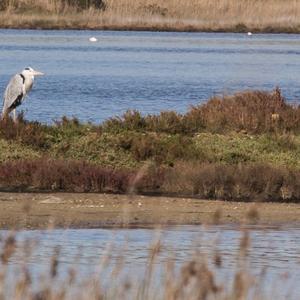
x,y
194,15
196,278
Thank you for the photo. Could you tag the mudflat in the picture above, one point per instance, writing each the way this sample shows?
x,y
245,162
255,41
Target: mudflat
x,y
75,210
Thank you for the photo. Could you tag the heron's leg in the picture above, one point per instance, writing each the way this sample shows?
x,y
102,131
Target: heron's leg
x,y
15,116
3,115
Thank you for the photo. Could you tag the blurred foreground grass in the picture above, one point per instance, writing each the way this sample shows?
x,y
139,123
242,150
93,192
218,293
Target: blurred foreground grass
x,y
200,276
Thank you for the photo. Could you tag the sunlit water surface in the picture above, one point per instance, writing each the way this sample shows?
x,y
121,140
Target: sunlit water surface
x,y
274,251
147,71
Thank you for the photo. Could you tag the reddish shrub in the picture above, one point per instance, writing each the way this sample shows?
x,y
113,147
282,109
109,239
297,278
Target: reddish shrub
x,y
57,175
256,112
253,111
234,182
28,133
73,176
207,181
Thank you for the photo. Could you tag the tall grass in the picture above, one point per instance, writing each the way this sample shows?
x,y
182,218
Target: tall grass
x,y
196,278
258,15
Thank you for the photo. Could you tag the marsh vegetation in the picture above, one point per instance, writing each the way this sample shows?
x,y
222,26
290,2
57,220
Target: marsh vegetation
x,y
175,15
240,147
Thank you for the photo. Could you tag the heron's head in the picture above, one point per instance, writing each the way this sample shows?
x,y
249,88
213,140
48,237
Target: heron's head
x,y
30,72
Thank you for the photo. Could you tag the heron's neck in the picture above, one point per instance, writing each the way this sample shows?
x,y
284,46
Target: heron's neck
x,y
28,82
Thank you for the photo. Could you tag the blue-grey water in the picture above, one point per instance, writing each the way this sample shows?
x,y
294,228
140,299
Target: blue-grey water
x,y
147,71
274,251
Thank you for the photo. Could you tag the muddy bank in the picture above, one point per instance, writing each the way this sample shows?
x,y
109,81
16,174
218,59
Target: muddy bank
x,y
30,210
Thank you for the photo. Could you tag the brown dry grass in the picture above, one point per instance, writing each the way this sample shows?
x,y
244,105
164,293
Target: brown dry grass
x,y
194,15
250,111
247,182
243,182
196,278
254,112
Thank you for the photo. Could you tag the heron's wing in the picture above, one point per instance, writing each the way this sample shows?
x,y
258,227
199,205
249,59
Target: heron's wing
x,y
14,93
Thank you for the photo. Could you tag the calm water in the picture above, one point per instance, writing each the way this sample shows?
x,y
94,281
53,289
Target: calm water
x,y
276,249
146,71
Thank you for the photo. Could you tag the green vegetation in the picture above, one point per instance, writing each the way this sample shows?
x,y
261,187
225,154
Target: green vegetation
x,y
254,127
132,149
248,130
278,150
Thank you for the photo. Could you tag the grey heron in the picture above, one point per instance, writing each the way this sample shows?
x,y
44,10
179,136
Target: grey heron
x,y
16,90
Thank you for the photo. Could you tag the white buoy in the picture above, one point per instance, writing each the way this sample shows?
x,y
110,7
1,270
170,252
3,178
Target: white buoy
x,y
249,33
93,39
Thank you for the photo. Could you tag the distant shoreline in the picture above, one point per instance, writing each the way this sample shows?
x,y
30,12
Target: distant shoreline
x,y
132,28
176,16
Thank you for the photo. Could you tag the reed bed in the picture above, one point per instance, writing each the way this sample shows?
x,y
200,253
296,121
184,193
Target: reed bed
x,y
172,15
195,278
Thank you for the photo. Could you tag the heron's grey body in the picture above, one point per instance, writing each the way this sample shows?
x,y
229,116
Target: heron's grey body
x,y
18,87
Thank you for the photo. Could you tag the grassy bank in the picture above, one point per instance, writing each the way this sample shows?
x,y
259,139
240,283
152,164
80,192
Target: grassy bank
x,y
241,147
170,15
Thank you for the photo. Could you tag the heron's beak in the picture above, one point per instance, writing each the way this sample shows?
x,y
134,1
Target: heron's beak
x,y
37,73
